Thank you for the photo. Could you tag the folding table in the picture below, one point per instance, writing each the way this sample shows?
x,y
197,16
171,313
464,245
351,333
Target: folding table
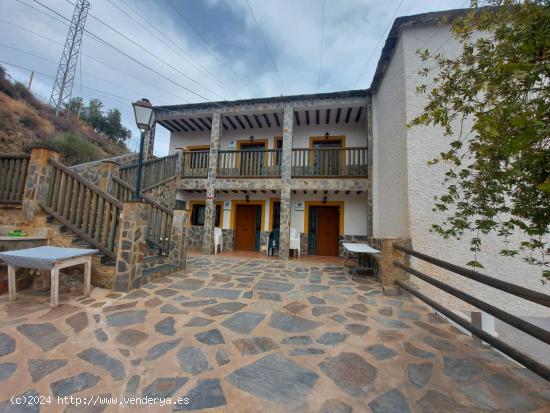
x,y
365,256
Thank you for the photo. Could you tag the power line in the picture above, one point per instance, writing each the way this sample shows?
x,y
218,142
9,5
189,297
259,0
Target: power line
x,y
321,51
99,39
148,52
211,48
266,46
378,44
87,56
174,46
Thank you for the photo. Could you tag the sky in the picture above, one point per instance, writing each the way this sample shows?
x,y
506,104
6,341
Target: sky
x,y
198,50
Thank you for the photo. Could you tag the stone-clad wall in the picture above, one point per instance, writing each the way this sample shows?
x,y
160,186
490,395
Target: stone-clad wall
x,y
195,236
164,194
90,170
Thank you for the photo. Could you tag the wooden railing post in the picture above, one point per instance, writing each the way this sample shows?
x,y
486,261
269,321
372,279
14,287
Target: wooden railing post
x,y
131,245
37,185
178,241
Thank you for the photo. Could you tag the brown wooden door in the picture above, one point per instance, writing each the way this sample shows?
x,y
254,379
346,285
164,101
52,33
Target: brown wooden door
x,y
328,224
245,231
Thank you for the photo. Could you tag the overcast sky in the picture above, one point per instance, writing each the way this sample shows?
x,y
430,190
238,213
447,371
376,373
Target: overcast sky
x,y
211,49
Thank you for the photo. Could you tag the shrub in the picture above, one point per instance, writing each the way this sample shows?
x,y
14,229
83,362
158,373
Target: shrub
x,y
74,149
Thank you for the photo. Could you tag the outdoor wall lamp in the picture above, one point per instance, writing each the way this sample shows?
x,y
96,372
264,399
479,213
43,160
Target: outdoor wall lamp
x,y
327,135
251,138
324,200
247,197
143,111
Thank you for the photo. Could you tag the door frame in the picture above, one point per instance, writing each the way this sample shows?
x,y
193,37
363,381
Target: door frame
x,y
235,203
309,204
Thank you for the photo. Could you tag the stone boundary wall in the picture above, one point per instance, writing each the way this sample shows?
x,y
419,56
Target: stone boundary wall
x,y
90,170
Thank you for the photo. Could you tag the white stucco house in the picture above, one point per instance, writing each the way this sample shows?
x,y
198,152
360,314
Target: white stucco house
x,y
333,166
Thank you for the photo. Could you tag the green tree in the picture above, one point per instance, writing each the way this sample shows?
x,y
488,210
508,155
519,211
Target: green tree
x,y
113,127
74,106
498,176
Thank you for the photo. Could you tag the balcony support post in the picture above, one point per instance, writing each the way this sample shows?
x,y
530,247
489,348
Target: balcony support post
x,y
210,207
286,174
369,166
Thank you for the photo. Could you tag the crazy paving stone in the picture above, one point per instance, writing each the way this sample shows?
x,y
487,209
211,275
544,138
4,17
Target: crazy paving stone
x,y
6,370
391,401
360,307
118,307
417,352
350,372
193,360
439,344
243,322
74,384
315,300
166,292
280,287
323,309
314,288
305,351
435,401
136,294
101,335
277,379
170,309
153,302
434,330
357,329
46,336
480,396
97,317
210,337
164,387
270,296
385,311
419,374
160,349
9,407
331,338
224,308
98,358
132,386
297,341
255,345
390,322
222,357
78,322
295,307
217,293
208,393
356,316
335,299
411,315
188,284
7,344
460,369
339,318
199,303
124,351
126,318
166,326
248,294
40,368
131,337
381,352
292,324
335,406
198,322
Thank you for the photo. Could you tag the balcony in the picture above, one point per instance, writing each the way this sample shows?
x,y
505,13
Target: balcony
x,y
260,163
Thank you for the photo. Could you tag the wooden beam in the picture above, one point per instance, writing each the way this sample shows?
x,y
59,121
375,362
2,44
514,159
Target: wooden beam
x,y
307,117
258,121
317,116
358,192
231,122
338,112
240,121
263,191
347,192
327,117
315,191
248,121
358,114
326,192
253,191
276,119
336,192
224,125
294,191
267,120
188,125
224,191
233,190
297,117
305,192
348,114
207,127
196,124
273,191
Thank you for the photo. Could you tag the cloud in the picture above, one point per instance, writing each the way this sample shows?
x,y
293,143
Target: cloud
x,y
292,29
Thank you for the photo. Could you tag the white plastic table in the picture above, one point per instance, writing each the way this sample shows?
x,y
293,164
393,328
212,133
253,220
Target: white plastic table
x,y
48,258
361,249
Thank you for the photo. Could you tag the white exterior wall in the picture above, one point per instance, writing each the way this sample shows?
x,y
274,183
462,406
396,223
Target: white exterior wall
x,y
420,144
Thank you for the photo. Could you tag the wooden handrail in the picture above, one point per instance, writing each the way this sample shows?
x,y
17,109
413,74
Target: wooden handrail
x,y
13,174
516,290
144,197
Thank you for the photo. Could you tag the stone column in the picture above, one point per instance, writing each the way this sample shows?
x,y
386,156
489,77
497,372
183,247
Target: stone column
x,y
370,157
131,245
107,169
149,143
178,241
387,271
286,174
210,207
39,175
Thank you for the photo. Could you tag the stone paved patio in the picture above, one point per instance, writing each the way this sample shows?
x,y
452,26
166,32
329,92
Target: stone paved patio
x,y
255,336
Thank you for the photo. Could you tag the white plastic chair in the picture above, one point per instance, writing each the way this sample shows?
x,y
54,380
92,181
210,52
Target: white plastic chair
x,y
295,240
218,240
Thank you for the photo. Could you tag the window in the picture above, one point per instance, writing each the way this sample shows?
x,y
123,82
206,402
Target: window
x,y
198,212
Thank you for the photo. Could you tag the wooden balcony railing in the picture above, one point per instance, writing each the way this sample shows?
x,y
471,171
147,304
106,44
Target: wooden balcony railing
x,y
328,162
154,172
195,164
13,173
250,163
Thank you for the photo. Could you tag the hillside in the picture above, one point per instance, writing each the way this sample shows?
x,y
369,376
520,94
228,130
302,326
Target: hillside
x,y
25,122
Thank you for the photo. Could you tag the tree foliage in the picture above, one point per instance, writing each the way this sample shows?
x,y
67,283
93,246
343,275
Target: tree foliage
x,y
497,178
109,123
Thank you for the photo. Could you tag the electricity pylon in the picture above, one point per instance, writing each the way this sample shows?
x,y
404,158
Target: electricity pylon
x,y
63,85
